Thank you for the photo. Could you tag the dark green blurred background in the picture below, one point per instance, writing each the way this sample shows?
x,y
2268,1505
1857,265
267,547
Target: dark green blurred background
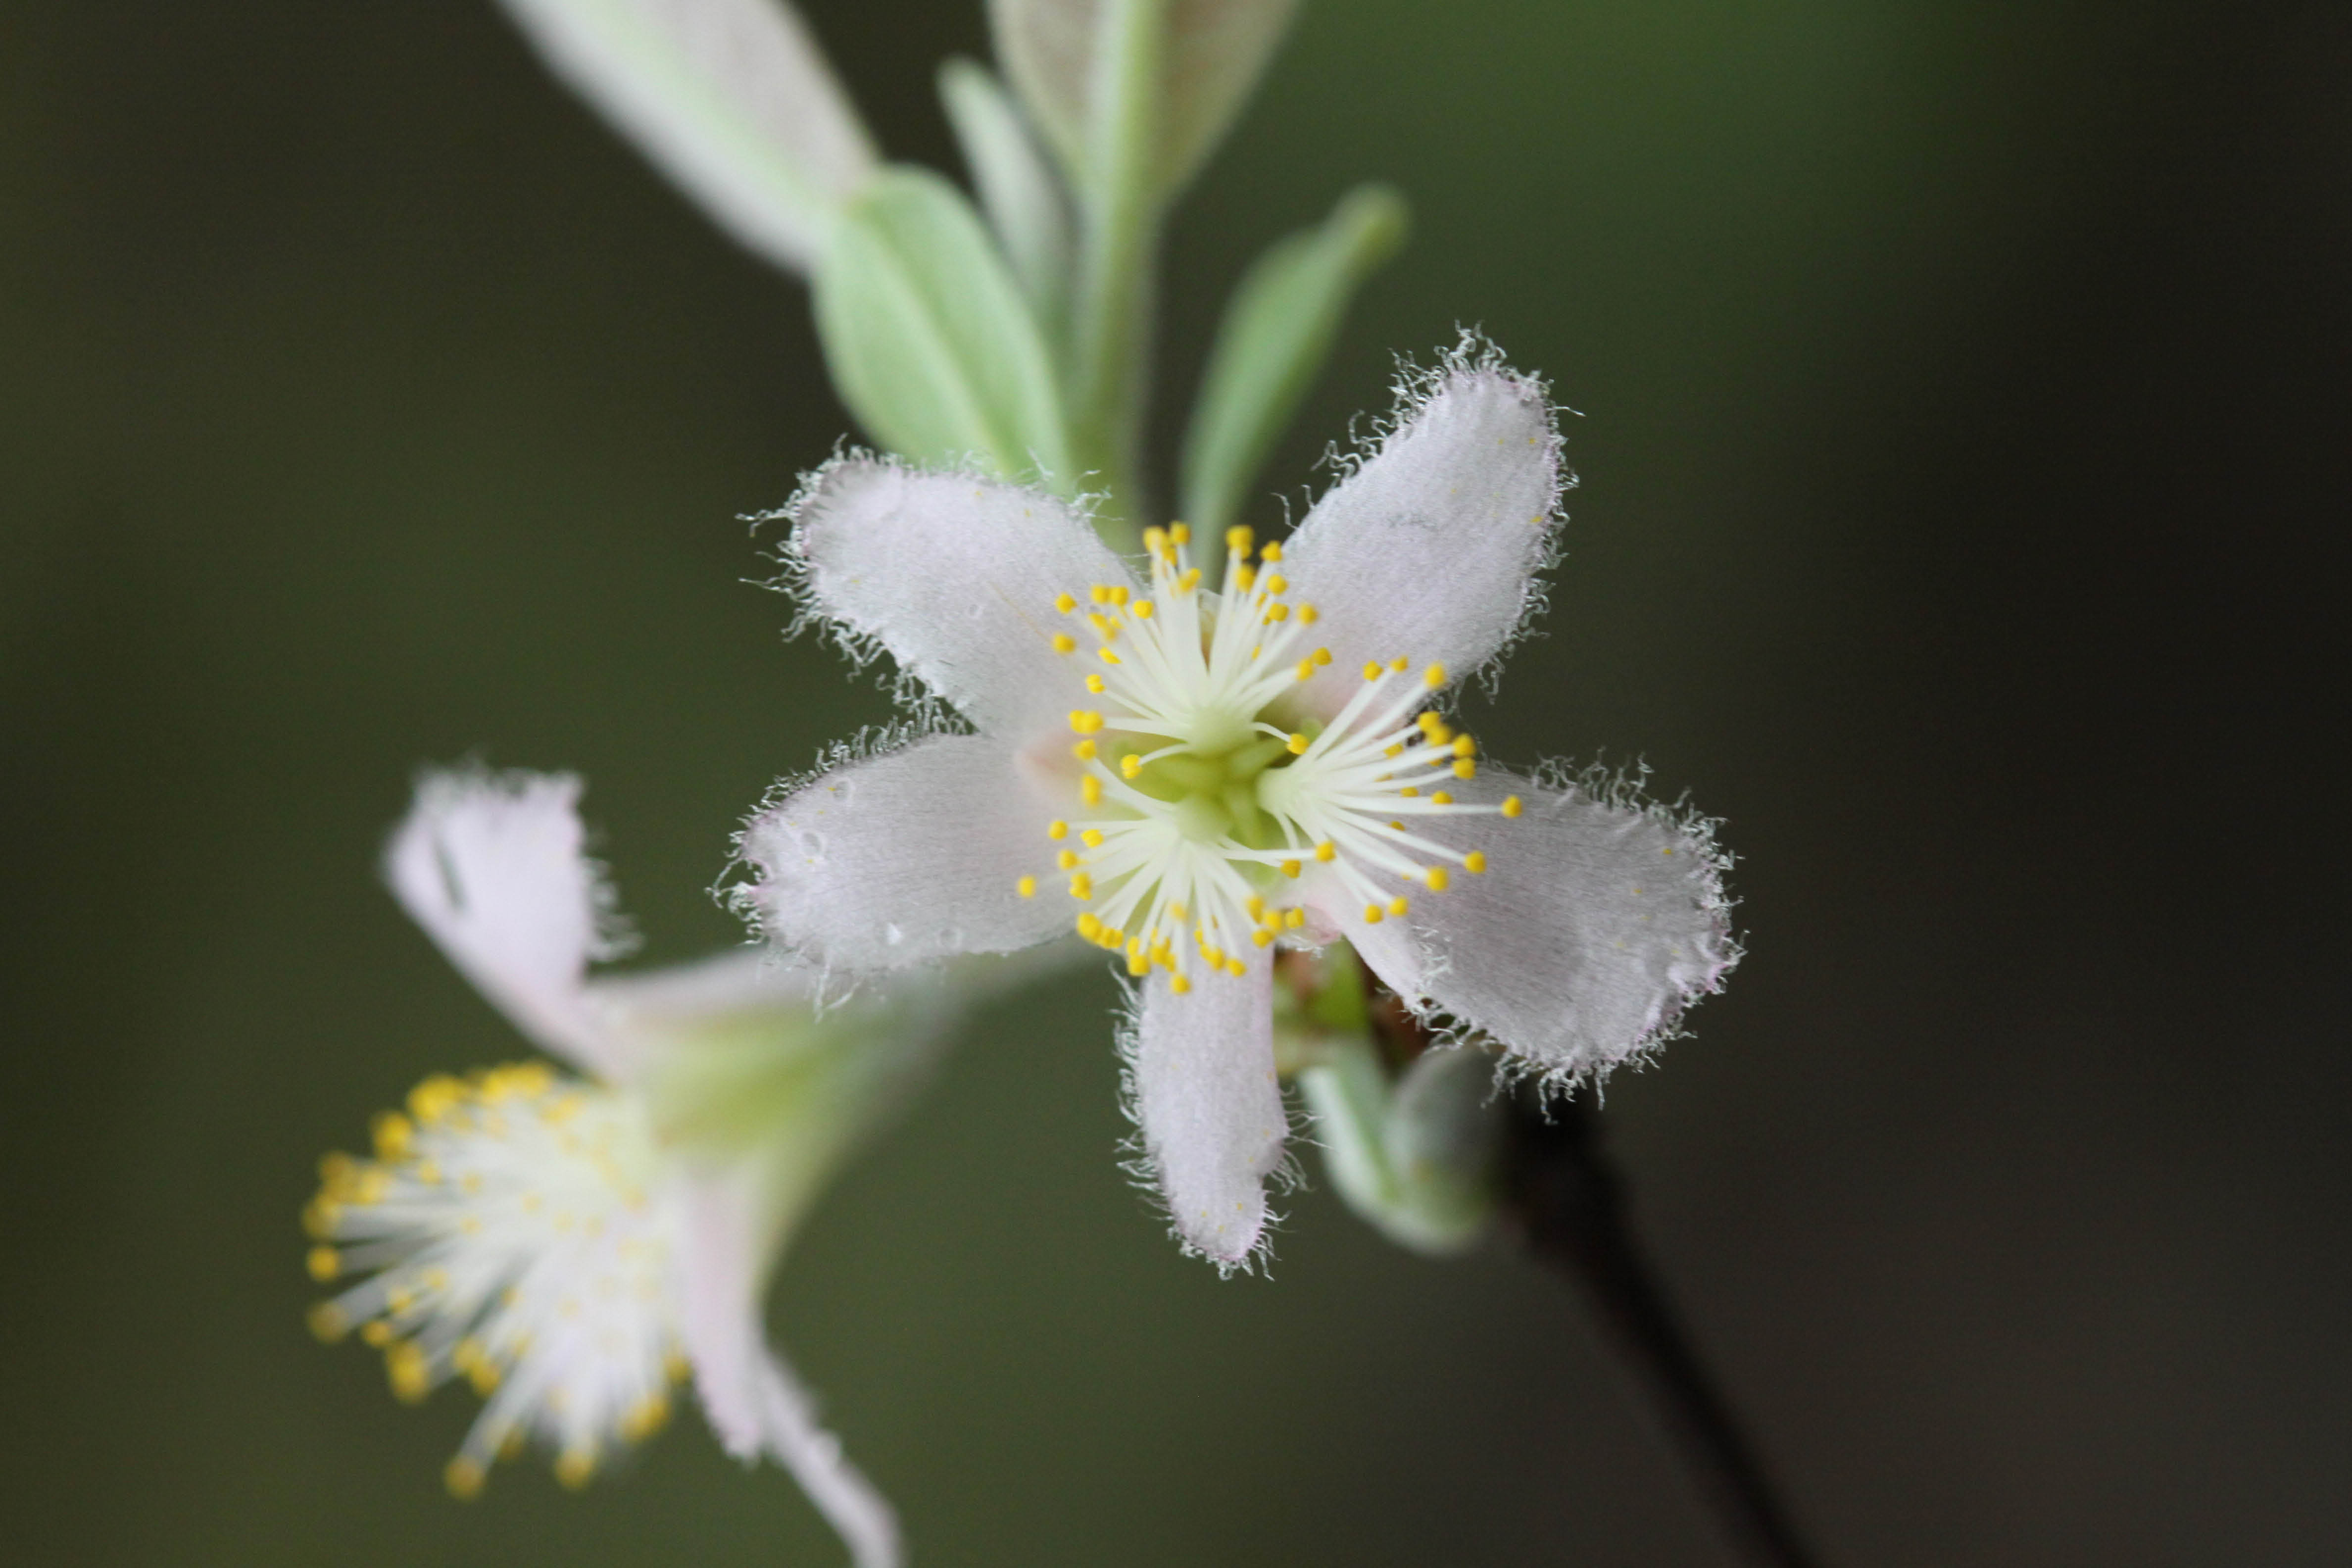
x,y
1964,444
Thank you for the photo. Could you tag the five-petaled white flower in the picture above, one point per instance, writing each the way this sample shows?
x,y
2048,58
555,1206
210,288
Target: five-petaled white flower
x,y
570,1244
1209,765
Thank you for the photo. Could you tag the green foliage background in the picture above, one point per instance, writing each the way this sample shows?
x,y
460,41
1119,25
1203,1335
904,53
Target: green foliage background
x,y
1963,432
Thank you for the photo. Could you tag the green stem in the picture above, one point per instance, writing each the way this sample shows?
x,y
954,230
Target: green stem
x,y
1117,282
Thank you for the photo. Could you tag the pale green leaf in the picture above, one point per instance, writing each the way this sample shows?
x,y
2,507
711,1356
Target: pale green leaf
x,y
1019,190
1211,54
731,99
1277,332
929,339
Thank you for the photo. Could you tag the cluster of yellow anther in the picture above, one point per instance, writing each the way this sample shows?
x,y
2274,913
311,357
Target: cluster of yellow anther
x,y
1198,802
438,1238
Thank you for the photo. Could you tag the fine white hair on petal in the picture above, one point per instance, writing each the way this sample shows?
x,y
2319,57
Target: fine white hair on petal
x,y
752,1398
902,858
1597,921
954,575
494,867
731,99
1432,546
1207,1104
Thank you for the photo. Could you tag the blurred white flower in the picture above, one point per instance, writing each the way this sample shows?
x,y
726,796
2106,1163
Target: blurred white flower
x,y
573,1242
1210,773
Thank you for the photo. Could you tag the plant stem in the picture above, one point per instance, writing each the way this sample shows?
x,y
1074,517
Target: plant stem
x,y
1570,1205
1112,327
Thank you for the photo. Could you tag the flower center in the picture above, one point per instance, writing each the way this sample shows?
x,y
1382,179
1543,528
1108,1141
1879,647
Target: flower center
x,y
512,1237
1207,784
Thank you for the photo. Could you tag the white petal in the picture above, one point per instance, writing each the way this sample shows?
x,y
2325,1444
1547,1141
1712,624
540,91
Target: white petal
x,y
1596,923
1430,549
731,99
754,1401
492,866
955,576
906,858
1201,1076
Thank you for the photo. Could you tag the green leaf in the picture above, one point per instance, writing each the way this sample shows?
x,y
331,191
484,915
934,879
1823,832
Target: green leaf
x,y
1211,54
731,99
1277,332
1018,188
932,343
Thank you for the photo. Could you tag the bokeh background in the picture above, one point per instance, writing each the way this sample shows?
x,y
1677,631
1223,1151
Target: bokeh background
x,y
1963,438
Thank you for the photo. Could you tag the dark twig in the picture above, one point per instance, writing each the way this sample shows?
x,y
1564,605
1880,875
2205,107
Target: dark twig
x,y
1570,1207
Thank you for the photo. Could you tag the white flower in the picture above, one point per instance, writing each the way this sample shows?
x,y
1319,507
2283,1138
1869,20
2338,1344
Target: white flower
x,y
573,1243
1209,764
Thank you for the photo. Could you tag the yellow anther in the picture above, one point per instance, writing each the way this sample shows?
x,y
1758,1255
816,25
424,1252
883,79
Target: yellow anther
x,y
1399,906
1086,720
1065,643
646,1417
1463,746
1190,580
1409,790
393,1132
1293,919
1083,751
1058,829
1511,806
1099,594
464,1478
1113,938
1143,610
1306,669
1275,613
1082,886
1090,925
435,1097
1391,751
1433,677
1244,578
319,1218
1176,910
1092,838
1273,551
1090,790
1106,656
1277,582
1026,887
1137,965
1065,602
484,1377
1235,967
576,1468
327,1321
1668,851
324,1263
1371,914
1475,862
1178,984
1095,684
1430,719
1441,798
1436,877
1298,744
1261,936
1238,540
336,1171
1119,593
1463,768
1327,851
1322,655
1309,615
1155,539
1105,627
1372,672
1290,868
1129,765
1255,905
1182,533
410,1373
375,1334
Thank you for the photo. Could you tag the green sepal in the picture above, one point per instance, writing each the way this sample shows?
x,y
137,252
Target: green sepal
x,y
930,342
1276,334
1019,190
